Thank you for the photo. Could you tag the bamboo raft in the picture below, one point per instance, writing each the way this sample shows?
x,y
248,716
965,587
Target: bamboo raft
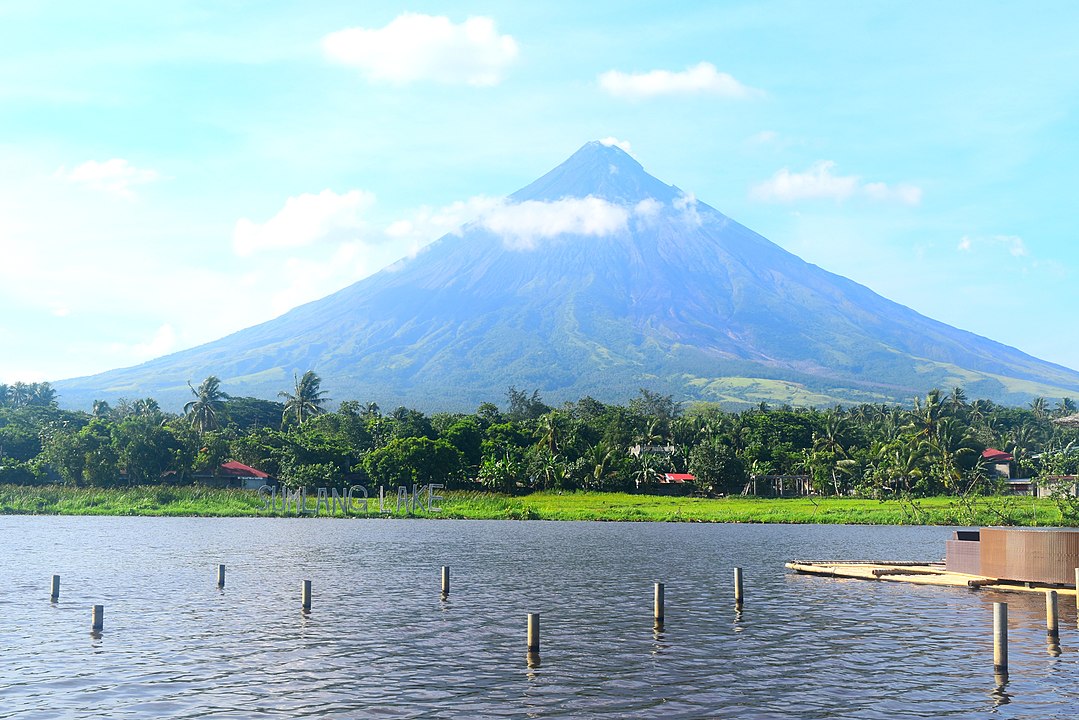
x,y
1010,559
918,574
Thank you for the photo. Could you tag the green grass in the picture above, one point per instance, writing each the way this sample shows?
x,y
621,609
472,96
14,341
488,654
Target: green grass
x,y
208,502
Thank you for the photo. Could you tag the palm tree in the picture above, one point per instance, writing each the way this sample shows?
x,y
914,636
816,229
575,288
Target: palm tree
x,y
958,401
927,417
19,394
828,448
306,401
550,433
202,411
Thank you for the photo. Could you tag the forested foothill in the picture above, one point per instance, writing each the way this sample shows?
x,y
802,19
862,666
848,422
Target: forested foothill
x,y
932,447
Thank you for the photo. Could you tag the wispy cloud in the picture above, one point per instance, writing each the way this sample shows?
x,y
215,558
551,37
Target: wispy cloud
x,y
702,78
161,343
426,224
115,177
304,219
1012,243
417,47
820,182
521,225
622,145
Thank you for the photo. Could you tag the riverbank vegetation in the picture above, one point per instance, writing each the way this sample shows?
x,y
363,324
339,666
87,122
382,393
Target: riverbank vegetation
x,y
164,501
919,463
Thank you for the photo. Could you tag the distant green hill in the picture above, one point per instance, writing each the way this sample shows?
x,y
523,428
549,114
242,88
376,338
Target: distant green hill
x,y
598,279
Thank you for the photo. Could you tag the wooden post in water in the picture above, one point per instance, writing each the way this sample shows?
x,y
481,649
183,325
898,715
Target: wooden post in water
x,y
657,612
1052,624
305,596
1000,637
54,595
738,587
445,581
221,576
533,633
97,618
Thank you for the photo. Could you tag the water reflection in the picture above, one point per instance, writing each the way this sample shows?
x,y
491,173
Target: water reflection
x,y
1052,644
247,649
1000,694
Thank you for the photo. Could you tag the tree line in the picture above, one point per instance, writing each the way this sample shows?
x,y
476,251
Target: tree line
x,y
932,447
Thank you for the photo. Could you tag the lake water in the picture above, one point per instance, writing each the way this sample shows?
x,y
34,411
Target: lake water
x,y
381,643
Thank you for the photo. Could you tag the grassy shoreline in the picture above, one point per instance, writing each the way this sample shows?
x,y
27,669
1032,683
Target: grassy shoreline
x,y
165,501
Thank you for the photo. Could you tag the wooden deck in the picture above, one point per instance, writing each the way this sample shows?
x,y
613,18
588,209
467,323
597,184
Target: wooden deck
x,y
917,573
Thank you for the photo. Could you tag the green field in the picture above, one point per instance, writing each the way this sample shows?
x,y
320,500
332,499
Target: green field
x,y
206,502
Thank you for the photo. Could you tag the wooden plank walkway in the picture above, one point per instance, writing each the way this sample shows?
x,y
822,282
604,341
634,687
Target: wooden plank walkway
x,y
917,573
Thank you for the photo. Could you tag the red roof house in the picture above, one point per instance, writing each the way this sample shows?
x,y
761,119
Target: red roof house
x,y
1002,461
239,470
996,456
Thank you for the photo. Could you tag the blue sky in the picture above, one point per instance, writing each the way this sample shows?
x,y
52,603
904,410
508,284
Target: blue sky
x,y
172,172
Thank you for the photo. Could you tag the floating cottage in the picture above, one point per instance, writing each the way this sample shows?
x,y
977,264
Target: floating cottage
x,y
1008,559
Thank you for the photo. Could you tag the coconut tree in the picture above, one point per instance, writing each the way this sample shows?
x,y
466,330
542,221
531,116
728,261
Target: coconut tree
x,y
1065,407
209,398
957,401
828,450
306,400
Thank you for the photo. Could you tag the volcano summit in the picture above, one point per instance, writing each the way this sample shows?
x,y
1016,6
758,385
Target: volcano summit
x,y
598,279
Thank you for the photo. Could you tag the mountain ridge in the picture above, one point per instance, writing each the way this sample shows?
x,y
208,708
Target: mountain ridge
x,y
598,279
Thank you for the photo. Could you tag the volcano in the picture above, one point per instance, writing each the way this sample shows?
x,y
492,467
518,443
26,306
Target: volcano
x,y
598,279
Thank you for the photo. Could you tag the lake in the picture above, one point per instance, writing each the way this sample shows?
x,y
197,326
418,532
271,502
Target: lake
x,y
380,642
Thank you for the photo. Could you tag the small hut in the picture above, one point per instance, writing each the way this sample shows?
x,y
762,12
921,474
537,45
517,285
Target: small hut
x,y
1071,421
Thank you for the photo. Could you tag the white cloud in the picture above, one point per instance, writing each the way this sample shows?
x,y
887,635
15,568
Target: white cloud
x,y
622,145
434,223
701,78
305,219
819,182
425,47
687,203
764,137
521,224
647,212
1012,243
903,193
116,176
647,208
162,343
427,224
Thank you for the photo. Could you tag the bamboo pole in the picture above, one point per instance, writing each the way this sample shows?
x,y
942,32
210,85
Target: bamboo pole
x,y
97,618
1052,617
533,632
54,594
221,576
445,581
305,596
657,611
738,587
1000,637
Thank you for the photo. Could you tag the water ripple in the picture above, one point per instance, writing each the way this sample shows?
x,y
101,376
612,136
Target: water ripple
x,y
379,642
